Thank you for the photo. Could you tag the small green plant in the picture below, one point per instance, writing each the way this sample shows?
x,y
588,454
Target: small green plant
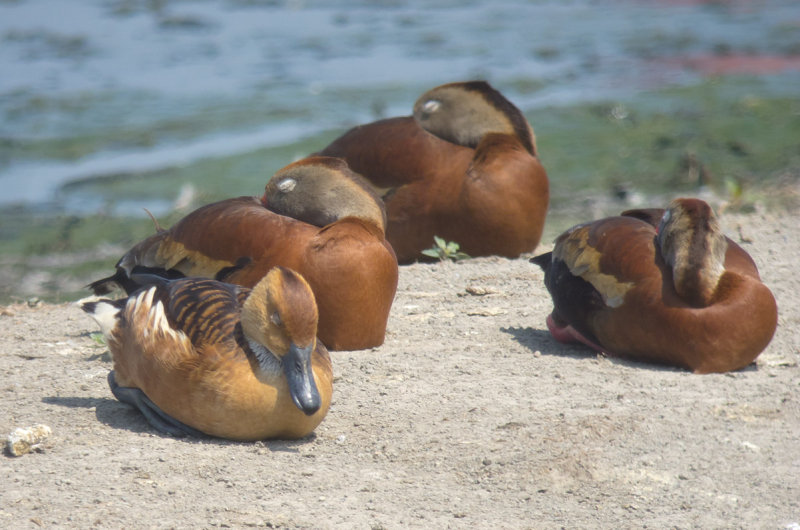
x,y
98,338
100,342
445,250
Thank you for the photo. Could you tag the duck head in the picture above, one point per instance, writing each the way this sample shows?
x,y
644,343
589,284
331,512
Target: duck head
x,y
320,190
280,316
463,113
692,244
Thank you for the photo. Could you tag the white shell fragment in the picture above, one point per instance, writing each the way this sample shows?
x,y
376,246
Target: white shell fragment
x,y
23,440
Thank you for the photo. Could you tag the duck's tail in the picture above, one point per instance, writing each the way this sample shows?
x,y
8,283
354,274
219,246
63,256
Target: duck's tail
x,y
543,260
110,283
104,311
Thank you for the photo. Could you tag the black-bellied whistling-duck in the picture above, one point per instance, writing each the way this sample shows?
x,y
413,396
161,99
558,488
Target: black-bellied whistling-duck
x,y
317,217
198,356
660,286
464,167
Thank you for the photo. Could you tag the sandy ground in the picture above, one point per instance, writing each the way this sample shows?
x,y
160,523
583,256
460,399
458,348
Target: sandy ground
x,y
469,416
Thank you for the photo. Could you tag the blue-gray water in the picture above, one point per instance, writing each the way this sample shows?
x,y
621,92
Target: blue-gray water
x,y
199,79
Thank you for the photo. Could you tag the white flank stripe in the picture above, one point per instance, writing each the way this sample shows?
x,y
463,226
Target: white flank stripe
x,y
105,315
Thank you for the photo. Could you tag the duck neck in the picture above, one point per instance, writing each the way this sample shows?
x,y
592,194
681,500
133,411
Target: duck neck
x,y
493,142
370,225
267,361
253,316
696,255
370,214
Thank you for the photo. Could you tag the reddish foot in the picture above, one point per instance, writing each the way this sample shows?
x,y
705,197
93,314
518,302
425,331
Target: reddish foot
x,y
567,334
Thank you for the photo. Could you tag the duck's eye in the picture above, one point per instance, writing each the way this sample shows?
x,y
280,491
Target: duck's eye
x,y
431,106
276,319
287,185
664,220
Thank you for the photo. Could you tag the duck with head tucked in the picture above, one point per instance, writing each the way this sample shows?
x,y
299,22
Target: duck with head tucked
x,y
663,286
464,168
316,217
198,356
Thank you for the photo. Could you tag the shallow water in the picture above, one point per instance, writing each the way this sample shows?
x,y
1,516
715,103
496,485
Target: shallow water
x,y
128,87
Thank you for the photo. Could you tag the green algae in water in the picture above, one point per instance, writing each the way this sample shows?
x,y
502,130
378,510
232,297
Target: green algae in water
x,y
212,178
671,141
663,142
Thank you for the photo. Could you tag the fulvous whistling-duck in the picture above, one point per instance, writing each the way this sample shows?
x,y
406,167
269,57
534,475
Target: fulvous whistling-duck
x,y
464,167
316,217
659,286
198,356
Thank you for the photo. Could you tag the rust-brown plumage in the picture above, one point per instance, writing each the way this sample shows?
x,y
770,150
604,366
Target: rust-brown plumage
x,y
464,167
202,356
318,218
660,286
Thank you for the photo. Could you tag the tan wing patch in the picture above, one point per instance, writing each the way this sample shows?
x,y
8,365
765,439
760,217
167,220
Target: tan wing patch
x,y
174,255
584,260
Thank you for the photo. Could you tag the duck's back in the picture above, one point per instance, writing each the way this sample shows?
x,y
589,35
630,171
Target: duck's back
x,y
397,151
659,327
219,236
167,337
491,199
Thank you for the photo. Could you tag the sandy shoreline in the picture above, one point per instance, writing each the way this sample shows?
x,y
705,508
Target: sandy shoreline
x,y
469,415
